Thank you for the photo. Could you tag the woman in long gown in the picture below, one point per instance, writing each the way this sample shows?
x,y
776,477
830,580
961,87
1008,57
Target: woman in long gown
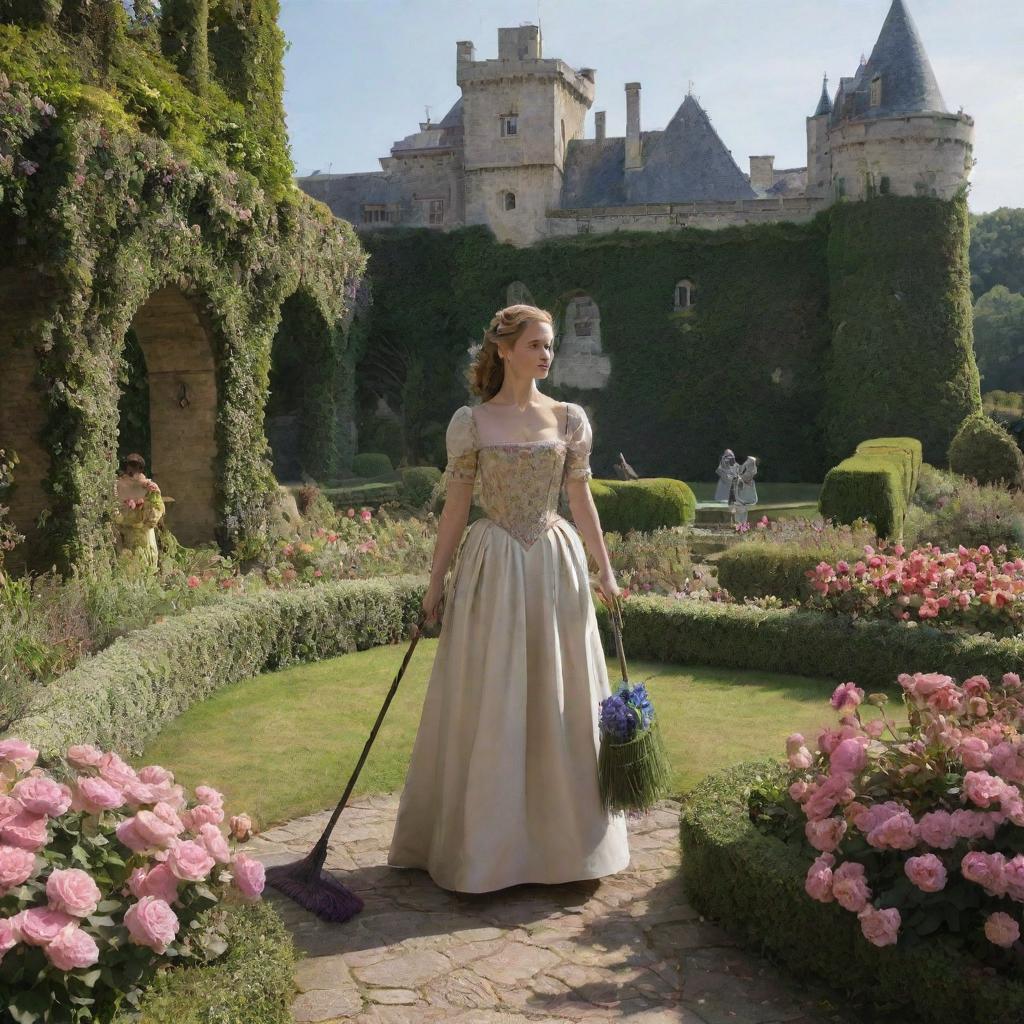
x,y
502,784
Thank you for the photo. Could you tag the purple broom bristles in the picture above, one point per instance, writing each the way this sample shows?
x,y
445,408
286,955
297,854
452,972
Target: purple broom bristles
x,y
305,881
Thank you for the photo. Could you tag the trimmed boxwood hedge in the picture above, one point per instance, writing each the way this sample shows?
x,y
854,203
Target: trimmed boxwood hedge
x,y
371,464
753,883
128,692
870,486
757,569
871,652
986,450
649,504
252,984
907,449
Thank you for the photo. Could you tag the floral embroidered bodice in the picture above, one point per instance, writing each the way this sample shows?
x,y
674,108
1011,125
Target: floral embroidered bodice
x,y
519,481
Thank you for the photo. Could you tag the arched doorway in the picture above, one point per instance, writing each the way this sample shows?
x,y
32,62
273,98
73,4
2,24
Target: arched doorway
x,y
23,412
178,359
300,419
580,361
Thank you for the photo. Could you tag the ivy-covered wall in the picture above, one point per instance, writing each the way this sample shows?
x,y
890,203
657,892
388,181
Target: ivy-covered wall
x,y
118,182
795,348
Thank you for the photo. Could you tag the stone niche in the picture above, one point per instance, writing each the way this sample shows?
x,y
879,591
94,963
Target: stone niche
x,y
579,360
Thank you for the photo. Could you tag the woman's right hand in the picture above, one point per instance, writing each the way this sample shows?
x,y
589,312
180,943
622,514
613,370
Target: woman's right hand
x,y
432,603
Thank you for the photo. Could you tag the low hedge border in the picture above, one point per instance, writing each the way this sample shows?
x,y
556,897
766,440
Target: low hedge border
x,y
753,883
871,652
128,692
252,984
759,569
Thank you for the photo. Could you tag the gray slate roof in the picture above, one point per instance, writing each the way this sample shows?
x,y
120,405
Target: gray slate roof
x,y
824,103
687,162
908,82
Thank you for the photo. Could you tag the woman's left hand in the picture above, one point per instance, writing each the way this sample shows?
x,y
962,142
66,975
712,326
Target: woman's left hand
x,y
608,588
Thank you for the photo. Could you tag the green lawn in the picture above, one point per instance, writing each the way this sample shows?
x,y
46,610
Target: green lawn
x,y
285,743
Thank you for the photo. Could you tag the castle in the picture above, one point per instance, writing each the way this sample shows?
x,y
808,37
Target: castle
x,y
511,153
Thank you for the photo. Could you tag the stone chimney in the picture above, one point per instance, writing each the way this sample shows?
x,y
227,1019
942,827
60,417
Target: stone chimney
x,y
633,161
599,125
762,173
463,53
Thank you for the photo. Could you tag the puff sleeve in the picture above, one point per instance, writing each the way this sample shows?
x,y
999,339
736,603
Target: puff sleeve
x,y
460,442
577,459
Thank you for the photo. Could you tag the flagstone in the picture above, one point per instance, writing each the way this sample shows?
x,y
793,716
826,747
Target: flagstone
x,y
406,970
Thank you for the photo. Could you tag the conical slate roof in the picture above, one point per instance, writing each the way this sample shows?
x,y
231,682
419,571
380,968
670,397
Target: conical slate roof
x,y
687,162
908,84
824,103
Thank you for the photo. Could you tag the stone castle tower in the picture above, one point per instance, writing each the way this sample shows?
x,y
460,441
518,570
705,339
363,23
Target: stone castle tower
x,y
511,152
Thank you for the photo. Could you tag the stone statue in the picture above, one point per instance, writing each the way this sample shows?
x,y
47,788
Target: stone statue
x,y
624,471
746,491
139,508
727,473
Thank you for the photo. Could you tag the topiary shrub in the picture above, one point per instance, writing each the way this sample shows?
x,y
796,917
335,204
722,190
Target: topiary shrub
x,y
869,486
418,483
756,569
986,451
649,504
371,464
906,449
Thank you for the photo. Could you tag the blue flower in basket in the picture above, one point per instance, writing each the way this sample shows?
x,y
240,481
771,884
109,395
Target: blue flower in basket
x,y
625,712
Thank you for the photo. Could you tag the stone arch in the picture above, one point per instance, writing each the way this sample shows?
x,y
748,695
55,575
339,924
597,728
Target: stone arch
x,y
301,415
682,296
23,410
579,361
177,346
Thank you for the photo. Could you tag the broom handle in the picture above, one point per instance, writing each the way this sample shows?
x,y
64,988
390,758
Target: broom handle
x,y
322,841
616,612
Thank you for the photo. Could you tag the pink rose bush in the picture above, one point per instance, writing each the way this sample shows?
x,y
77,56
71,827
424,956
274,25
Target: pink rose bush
x,y
972,589
916,829
106,876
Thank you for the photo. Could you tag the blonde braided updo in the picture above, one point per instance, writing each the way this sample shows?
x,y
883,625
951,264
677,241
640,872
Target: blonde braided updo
x,y
488,369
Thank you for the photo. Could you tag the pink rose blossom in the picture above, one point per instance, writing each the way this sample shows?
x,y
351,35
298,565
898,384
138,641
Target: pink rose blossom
x,y
798,790
250,876
200,815
1013,877
154,775
190,861
40,925
209,796
18,753
129,835
10,936
936,829
927,872
241,826
216,845
115,771
982,788
898,833
95,795
73,891
153,829
84,756
72,948
1001,929
152,923
42,796
850,887
801,759
1011,681
973,752
818,883
976,686
880,927
850,755
16,866
159,881
25,830
847,696
986,870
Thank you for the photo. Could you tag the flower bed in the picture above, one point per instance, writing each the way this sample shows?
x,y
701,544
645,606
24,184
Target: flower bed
x,y
754,883
107,879
973,589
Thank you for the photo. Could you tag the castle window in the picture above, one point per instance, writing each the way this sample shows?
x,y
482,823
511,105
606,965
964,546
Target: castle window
x,y
375,213
884,185
875,97
683,295
583,328
435,213
509,124
510,200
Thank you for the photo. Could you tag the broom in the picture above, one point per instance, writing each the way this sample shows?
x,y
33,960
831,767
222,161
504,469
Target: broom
x,y
304,880
632,775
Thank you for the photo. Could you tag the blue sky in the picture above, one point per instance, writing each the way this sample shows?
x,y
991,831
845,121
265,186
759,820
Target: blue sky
x,y
360,72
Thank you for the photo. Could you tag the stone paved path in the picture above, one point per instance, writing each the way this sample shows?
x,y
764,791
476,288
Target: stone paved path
x,y
627,946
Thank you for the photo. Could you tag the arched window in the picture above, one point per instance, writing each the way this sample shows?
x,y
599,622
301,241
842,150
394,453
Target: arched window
x,y
510,200
683,298
517,293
